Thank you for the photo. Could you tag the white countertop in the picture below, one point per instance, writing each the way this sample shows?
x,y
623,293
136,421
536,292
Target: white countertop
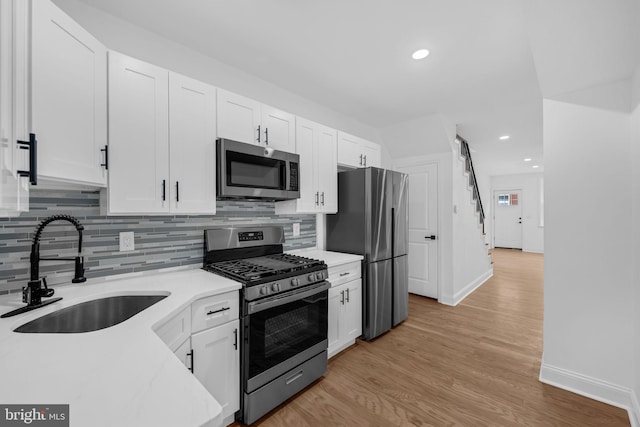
x,y
332,259
123,375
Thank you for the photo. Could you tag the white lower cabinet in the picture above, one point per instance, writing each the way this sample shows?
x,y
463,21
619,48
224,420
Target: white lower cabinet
x,y
216,364
345,307
205,336
184,354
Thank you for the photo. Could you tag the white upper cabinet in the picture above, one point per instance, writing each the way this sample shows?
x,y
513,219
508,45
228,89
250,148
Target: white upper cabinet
x,y
278,129
161,140
192,142
68,97
138,136
245,120
356,152
18,162
317,146
238,117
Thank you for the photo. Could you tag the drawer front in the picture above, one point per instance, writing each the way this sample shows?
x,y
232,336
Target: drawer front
x,y
345,273
213,311
176,330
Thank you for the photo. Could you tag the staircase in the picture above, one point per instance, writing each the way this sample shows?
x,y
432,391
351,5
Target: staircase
x,y
465,156
465,153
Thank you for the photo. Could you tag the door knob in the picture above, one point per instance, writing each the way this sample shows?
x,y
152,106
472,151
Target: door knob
x,y
432,237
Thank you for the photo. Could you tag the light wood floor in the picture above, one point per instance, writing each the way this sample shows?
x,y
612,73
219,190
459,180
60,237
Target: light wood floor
x,y
476,364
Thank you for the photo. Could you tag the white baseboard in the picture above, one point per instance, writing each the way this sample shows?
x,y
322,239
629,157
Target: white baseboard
x,y
533,250
592,388
634,410
464,292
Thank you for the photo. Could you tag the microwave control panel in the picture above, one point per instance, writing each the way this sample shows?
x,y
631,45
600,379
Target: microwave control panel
x,y
293,176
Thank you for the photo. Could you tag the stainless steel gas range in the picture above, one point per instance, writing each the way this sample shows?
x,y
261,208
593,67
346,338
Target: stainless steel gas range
x,y
283,309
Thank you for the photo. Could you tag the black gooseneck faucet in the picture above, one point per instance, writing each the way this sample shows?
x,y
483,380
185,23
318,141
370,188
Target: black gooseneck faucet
x,y
37,287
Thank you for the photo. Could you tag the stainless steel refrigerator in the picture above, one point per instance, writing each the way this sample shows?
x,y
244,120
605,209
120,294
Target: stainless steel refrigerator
x,y
372,221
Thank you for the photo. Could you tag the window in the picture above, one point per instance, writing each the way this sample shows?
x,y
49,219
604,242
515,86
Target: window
x,y
504,200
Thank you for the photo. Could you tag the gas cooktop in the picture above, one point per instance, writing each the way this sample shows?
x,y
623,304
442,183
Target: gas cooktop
x,y
253,270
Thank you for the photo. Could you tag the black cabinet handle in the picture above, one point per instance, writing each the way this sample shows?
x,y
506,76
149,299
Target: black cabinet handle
x,y
235,338
317,195
164,190
218,311
322,198
266,136
341,297
32,146
177,191
258,133
105,150
347,290
365,161
190,354
360,159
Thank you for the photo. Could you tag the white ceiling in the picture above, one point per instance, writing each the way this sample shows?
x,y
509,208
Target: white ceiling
x,y
355,56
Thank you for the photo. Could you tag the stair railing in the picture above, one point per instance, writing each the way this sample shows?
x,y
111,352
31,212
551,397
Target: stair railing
x,y
466,153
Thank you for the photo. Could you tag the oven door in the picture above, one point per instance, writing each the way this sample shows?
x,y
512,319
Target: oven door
x,y
283,331
254,172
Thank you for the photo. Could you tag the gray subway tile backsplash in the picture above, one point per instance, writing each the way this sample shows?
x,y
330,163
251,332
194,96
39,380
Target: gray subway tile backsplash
x,y
160,241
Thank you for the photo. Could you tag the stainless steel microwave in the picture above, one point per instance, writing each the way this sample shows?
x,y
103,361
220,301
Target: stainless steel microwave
x,y
247,171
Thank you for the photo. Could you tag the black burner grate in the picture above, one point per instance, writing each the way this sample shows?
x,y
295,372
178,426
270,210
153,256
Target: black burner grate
x,y
251,269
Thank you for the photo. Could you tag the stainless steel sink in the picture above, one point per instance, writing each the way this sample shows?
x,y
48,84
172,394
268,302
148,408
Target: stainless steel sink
x,y
91,315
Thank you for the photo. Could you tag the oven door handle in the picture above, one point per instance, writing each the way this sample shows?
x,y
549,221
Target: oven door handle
x,y
258,306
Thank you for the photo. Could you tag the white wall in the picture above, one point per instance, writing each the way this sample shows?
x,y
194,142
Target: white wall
x,y
588,317
124,37
471,263
635,144
419,137
531,185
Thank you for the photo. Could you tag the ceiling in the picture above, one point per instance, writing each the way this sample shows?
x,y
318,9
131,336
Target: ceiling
x,y
355,57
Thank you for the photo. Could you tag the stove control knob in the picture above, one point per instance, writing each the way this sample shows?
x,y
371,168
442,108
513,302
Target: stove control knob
x,y
275,287
264,290
312,277
319,276
295,282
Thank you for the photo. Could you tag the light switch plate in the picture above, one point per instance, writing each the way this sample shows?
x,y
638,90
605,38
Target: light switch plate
x,y
127,242
296,229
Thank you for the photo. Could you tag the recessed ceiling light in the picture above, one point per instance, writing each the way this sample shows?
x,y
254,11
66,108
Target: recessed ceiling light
x,y
535,166
504,137
420,54
528,159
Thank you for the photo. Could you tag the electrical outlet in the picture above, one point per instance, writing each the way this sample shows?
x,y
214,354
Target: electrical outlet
x,y
127,242
296,229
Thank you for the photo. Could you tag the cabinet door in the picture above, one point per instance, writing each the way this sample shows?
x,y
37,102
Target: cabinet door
x,y
306,133
349,150
327,168
352,327
238,118
183,352
68,97
278,129
217,364
192,141
336,302
372,155
8,161
138,136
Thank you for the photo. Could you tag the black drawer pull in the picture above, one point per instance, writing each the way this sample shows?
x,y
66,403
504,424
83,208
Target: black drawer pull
x,y
235,339
345,274
218,311
190,354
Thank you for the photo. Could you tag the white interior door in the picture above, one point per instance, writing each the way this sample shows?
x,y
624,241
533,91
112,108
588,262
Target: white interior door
x,y
507,219
423,224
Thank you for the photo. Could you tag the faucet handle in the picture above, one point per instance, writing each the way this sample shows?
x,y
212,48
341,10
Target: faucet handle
x,y
78,277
